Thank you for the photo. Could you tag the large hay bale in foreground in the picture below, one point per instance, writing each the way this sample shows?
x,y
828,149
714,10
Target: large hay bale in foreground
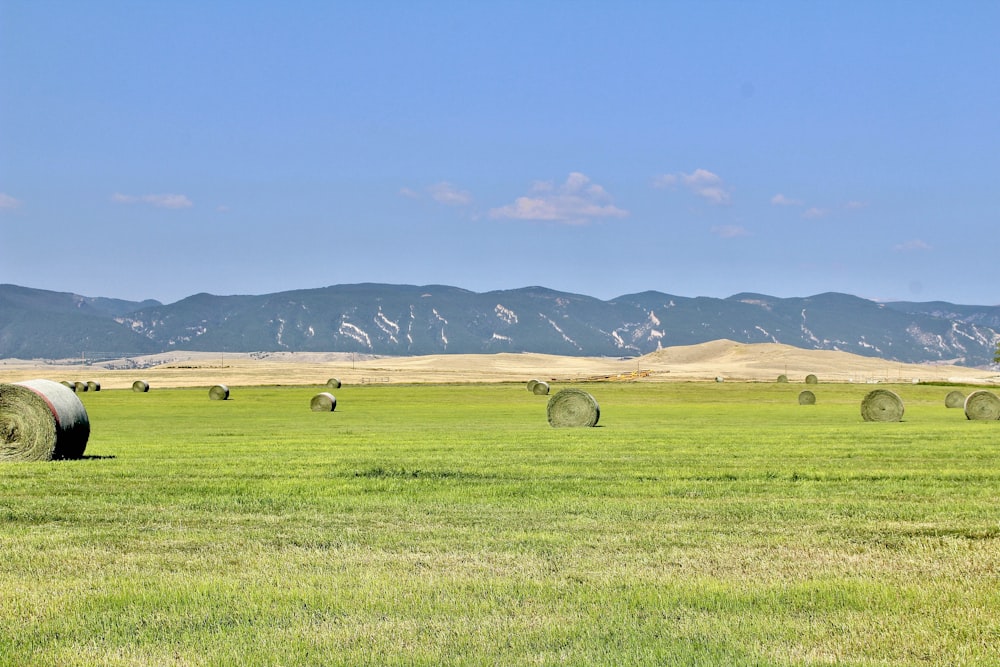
x,y
333,383
807,398
540,388
93,386
812,379
219,392
573,407
982,404
323,402
882,405
41,420
140,386
954,399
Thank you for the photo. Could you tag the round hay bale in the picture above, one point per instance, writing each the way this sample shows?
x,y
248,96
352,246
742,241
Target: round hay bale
x,y
882,405
219,392
67,383
140,386
80,387
782,378
719,378
333,383
982,404
954,399
323,402
531,385
41,420
812,379
540,389
93,386
807,398
573,407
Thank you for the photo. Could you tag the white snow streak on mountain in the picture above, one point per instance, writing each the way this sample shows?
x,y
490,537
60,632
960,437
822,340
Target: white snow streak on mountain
x,y
444,338
562,333
506,314
355,332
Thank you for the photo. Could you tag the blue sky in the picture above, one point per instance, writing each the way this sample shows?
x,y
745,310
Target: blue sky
x,y
161,149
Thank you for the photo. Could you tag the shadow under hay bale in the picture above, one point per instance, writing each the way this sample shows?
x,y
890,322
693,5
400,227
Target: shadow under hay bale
x,y
573,408
812,379
954,399
807,398
540,388
41,420
333,383
323,402
140,386
882,405
93,386
219,392
982,404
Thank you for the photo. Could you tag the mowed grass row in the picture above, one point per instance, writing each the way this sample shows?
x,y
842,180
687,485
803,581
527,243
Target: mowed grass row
x,y
697,524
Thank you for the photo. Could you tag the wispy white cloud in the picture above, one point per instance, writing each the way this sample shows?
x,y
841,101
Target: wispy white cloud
x,y
855,205
576,201
701,182
912,245
707,185
665,181
729,231
814,212
159,201
443,193
446,193
781,200
7,202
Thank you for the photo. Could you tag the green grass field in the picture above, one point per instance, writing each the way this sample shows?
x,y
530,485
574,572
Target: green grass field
x,y
697,524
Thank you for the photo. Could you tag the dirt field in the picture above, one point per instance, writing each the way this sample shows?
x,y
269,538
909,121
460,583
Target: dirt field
x,y
706,362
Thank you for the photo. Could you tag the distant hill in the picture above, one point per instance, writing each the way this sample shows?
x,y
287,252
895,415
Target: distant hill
x,y
438,319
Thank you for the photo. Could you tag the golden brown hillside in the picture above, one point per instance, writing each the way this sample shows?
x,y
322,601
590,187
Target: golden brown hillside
x,y
717,359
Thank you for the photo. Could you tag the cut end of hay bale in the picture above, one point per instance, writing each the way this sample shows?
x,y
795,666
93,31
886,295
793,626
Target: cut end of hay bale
x,y
782,378
41,420
954,399
572,408
531,385
982,404
540,388
807,398
333,383
323,402
140,386
81,387
812,379
219,392
882,405
93,386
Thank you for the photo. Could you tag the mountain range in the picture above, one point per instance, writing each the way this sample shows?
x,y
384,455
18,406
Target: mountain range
x,y
437,319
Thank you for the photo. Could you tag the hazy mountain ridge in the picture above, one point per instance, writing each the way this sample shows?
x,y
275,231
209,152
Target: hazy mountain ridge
x,y
438,319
